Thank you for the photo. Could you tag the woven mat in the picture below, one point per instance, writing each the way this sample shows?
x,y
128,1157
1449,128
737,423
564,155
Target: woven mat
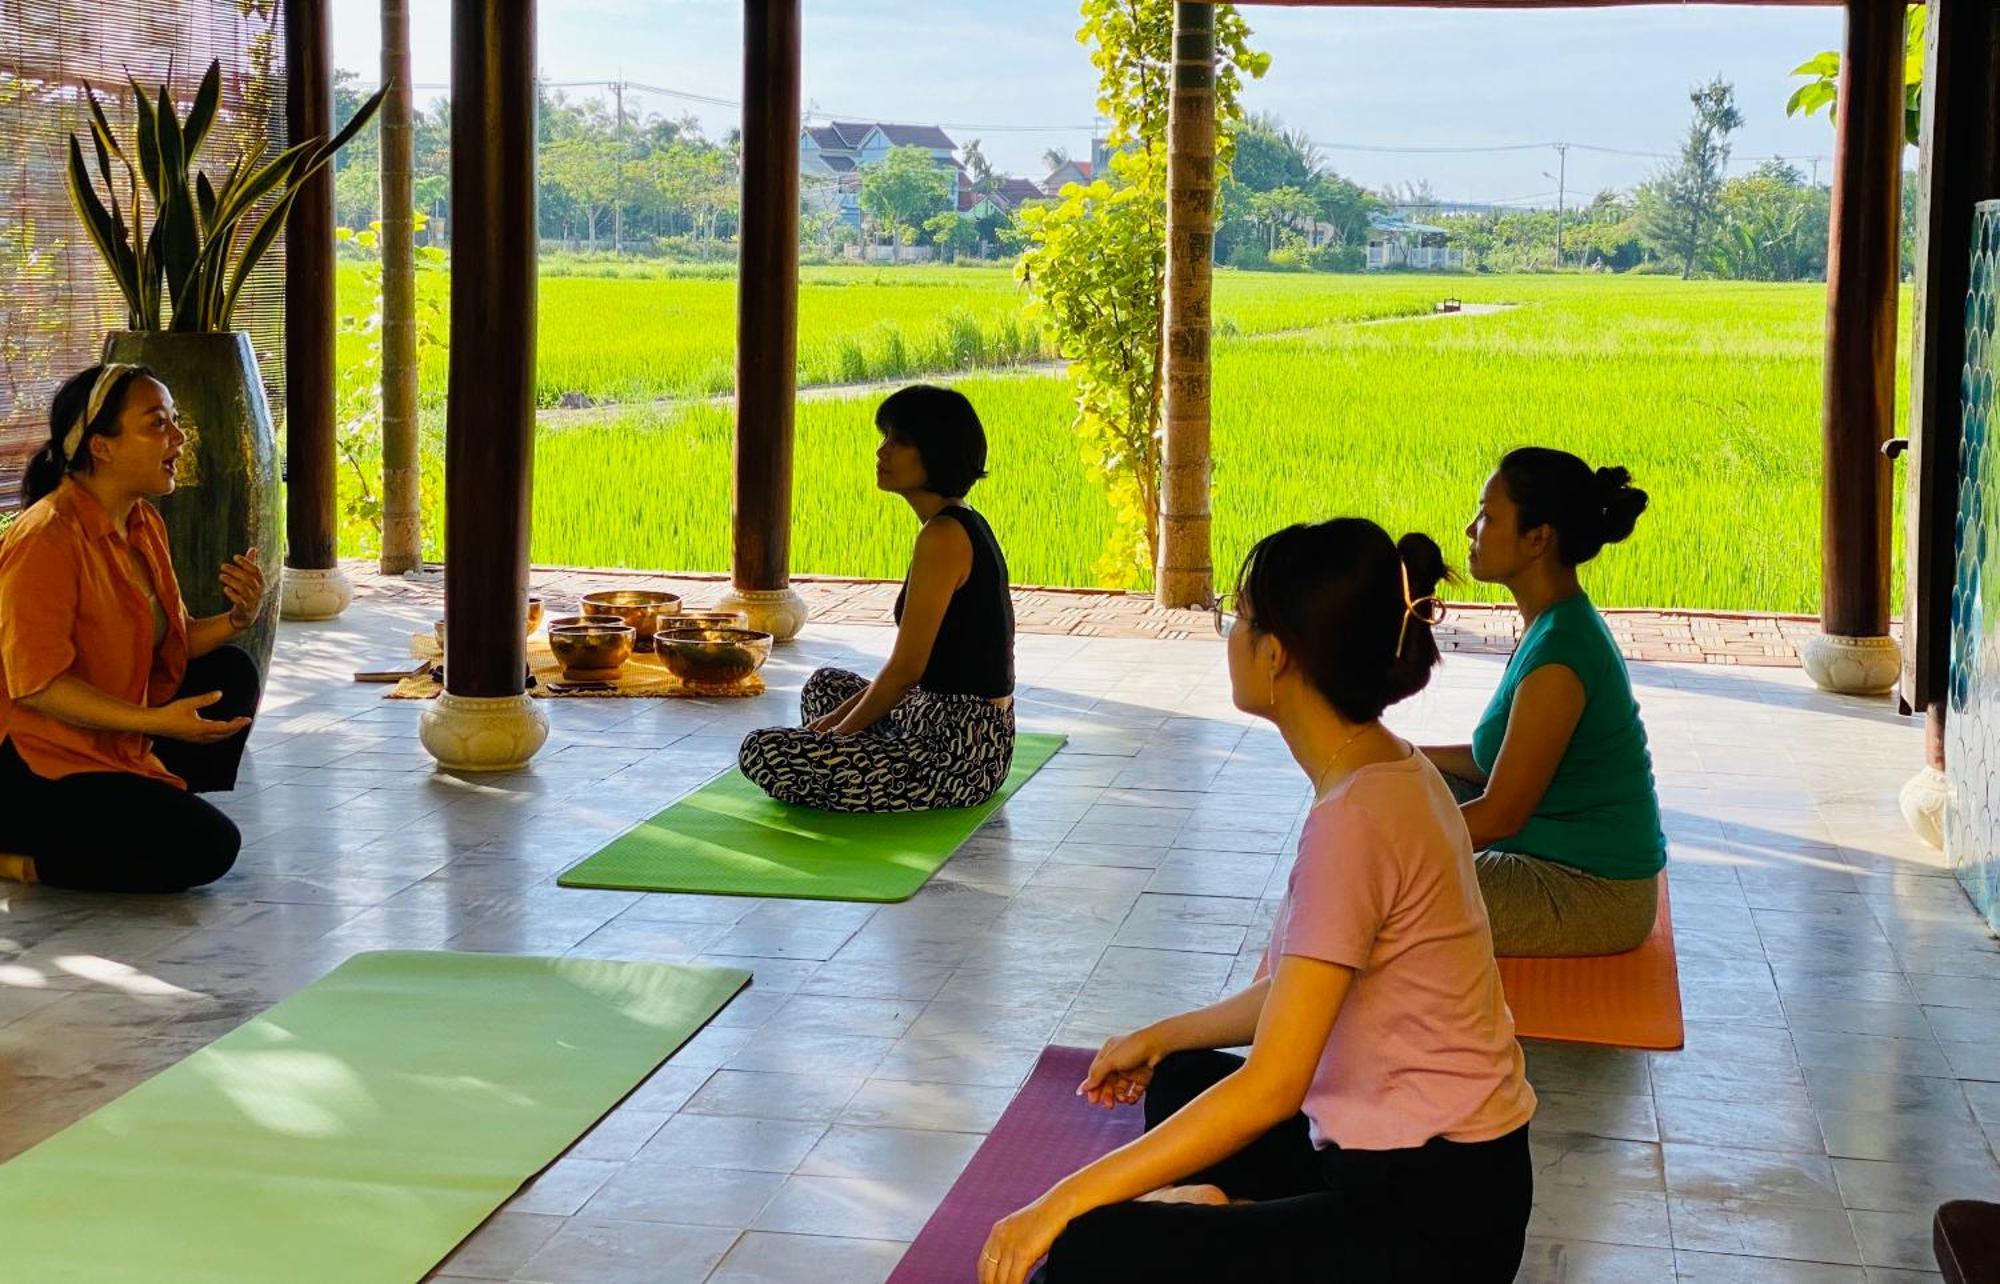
x,y
643,677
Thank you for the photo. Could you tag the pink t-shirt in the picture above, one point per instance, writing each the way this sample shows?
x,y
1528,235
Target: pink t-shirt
x,y
1424,1044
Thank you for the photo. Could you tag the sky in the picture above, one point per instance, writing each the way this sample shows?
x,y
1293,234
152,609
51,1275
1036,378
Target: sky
x,y
1435,83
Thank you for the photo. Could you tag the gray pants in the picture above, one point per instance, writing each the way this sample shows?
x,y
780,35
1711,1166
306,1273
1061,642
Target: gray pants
x,y
1542,909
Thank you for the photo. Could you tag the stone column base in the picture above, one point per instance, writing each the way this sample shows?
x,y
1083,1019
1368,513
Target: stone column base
x,y
1922,800
1853,666
483,733
778,612
313,594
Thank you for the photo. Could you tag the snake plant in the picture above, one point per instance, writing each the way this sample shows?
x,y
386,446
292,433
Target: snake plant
x,y
204,241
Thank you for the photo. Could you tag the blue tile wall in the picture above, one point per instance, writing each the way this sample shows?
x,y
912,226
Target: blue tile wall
x,y
1972,748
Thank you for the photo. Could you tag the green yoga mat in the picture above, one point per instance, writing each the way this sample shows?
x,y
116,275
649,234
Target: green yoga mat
x,y
729,838
357,1131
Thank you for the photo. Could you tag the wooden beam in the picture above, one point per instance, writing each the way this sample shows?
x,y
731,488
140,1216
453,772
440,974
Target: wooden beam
x,y
490,419
402,520
1863,264
767,300
309,304
1185,575
1960,165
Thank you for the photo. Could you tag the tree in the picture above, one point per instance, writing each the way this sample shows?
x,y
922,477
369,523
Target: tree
x,y
1822,90
1056,158
1678,206
587,168
1288,209
952,233
985,181
902,191
1095,260
1343,206
1773,226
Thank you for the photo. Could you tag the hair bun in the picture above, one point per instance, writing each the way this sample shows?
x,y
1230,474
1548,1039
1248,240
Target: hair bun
x,y
1619,502
1424,560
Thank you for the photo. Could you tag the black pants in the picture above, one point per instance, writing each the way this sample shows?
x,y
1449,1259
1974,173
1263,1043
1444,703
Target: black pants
x,y
1446,1211
116,832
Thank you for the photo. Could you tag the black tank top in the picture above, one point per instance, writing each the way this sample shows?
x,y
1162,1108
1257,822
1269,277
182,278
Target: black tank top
x,y
974,651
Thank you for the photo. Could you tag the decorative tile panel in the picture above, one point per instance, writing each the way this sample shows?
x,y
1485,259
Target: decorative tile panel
x,y
1972,727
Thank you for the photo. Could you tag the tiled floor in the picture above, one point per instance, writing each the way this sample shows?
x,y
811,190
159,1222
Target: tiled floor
x,y
1841,1074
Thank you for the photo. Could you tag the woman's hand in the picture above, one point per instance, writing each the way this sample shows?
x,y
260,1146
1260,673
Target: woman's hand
x,y
1020,1240
182,720
1120,1071
829,722
243,584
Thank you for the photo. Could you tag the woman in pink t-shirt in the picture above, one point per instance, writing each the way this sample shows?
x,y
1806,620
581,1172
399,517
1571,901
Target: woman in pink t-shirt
x,y
1378,1129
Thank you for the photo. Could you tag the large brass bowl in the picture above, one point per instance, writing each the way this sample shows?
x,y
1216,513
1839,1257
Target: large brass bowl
x,y
592,652
640,608
707,618
571,621
713,657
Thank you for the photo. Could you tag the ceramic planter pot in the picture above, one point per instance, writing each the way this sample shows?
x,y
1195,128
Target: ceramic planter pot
x,y
226,496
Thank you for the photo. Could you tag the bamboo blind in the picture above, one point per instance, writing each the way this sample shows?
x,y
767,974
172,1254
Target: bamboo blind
x,y
56,298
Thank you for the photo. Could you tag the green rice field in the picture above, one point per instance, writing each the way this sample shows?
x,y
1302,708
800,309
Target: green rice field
x,y
1333,395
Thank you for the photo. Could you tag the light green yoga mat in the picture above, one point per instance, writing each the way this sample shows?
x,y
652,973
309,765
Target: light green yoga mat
x,y
357,1131
729,838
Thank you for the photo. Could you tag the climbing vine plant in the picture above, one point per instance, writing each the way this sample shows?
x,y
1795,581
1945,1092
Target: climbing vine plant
x,y
1094,262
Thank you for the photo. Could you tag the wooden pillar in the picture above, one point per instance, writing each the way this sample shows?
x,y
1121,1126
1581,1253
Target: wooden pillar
x,y
767,320
402,521
1854,652
1959,165
313,588
490,418
1185,575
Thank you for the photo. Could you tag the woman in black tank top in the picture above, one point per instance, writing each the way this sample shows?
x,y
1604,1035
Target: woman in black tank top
x,y
935,728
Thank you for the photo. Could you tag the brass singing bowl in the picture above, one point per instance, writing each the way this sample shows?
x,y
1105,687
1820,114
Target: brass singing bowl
x,y
592,652
706,618
640,608
571,621
713,657
534,618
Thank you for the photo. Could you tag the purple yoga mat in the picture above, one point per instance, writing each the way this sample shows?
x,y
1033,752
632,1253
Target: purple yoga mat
x,y
1047,1133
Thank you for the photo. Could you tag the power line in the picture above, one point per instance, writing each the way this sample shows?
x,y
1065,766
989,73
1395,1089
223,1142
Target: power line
x,y
1390,149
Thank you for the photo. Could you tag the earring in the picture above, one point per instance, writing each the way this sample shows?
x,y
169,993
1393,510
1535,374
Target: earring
x,y
1273,700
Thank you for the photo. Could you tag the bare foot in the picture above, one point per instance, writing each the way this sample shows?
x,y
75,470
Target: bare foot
x,y
1186,1195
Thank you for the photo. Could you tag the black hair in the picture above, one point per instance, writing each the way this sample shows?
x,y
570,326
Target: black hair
x,y
1588,508
1332,592
944,428
49,465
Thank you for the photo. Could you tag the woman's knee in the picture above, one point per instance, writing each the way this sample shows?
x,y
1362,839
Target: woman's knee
x,y
1181,1077
231,671
209,844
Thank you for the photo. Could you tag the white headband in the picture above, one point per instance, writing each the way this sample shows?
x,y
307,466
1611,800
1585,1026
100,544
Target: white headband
x,y
112,372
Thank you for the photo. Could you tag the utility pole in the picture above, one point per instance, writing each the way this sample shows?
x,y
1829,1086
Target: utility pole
x,y
618,196
1562,177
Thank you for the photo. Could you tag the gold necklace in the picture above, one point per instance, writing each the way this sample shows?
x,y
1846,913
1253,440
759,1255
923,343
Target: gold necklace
x,y
1319,781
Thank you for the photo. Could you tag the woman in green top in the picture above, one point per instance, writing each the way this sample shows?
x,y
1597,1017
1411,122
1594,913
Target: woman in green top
x,y
1557,784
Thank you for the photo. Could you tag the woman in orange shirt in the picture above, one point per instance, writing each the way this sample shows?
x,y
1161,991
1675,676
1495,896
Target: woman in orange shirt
x,y
116,708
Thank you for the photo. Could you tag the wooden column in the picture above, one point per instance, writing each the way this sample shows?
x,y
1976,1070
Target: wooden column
x,y
402,522
1185,574
490,419
309,328
1863,261
1959,166
767,313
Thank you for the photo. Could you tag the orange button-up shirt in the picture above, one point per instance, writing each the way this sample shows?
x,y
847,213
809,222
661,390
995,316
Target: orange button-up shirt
x,y
71,602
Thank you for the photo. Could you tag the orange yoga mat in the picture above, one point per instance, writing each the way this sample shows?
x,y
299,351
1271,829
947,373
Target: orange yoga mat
x,y
1629,1000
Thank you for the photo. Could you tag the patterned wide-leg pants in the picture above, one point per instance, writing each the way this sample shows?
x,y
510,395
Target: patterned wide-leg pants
x,y
930,751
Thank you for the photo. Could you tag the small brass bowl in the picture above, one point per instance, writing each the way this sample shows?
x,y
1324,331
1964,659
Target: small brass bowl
x,y
706,618
534,620
571,621
713,657
592,652
640,608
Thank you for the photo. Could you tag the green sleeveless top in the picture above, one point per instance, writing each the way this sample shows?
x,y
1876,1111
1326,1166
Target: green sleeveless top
x,y
1601,814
